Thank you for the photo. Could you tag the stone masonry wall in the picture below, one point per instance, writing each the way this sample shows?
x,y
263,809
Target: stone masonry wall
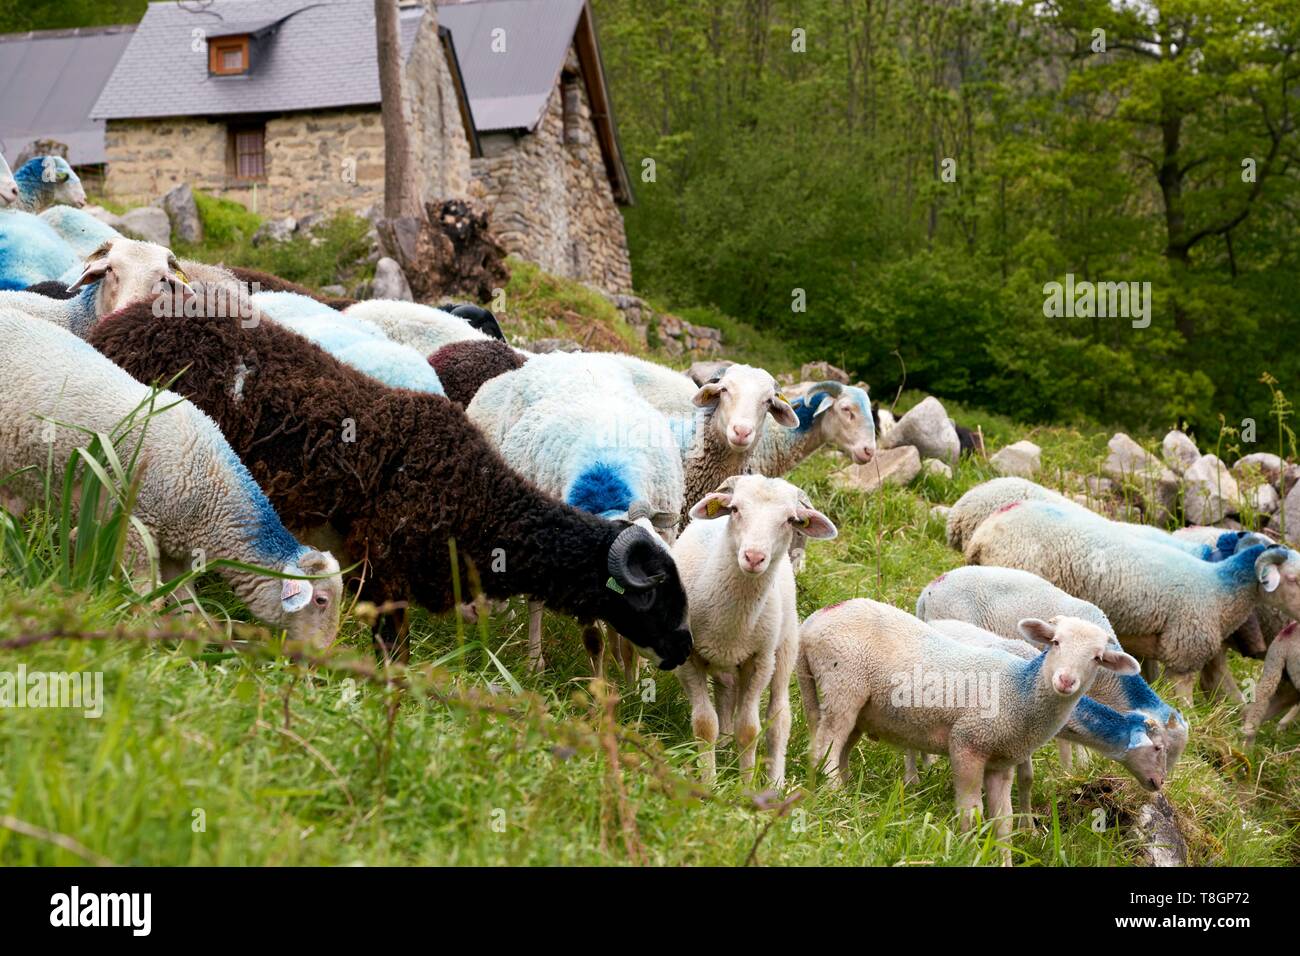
x,y
551,201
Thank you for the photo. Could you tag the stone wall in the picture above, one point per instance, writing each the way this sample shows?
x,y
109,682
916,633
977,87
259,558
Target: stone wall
x,y
320,161
550,198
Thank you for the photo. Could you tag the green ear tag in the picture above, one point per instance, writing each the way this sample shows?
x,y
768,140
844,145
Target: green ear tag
x,y
712,508
614,585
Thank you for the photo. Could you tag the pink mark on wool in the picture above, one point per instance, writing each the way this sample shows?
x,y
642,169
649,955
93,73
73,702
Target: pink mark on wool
x,y
1008,507
1289,630
937,580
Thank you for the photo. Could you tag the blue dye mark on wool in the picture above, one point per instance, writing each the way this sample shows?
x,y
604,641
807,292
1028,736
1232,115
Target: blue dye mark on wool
x,y
600,489
1025,677
1107,724
1238,571
32,179
32,252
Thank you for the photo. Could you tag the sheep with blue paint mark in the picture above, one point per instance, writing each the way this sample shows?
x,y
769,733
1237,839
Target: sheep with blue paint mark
x,y
996,599
1162,603
79,229
8,185
420,327
866,667
195,497
46,181
351,339
119,272
31,252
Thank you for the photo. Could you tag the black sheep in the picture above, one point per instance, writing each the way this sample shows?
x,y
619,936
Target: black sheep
x,y
477,317
398,475
465,365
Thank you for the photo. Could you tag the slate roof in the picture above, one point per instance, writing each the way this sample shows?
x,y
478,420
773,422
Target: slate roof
x,y
50,80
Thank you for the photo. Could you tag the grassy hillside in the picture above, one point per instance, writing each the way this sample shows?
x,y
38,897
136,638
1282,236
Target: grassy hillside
x,y
216,748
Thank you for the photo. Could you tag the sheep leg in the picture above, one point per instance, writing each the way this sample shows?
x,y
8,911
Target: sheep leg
x,y
704,718
536,663
1273,694
830,745
854,736
1217,680
1289,716
778,707
627,656
998,785
755,676
594,642
724,692
390,635
911,776
1151,670
1066,751
1183,685
968,782
1025,792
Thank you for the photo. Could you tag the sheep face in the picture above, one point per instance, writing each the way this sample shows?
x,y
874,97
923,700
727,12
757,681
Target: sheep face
x,y
128,271
846,414
1075,650
644,599
762,516
1148,750
744,397
58,184
308,610
1278,572
8,186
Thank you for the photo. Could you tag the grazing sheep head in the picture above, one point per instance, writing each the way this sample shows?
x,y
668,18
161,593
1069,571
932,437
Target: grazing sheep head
x,y
1075,650
127,271
1147,754
762,517
49,181
478,318
644,599
845,411
1278,571
308,610
744,396
8,185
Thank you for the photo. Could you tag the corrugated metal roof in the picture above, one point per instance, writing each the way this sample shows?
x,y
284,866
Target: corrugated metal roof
x,y
50,81
508,89
322,56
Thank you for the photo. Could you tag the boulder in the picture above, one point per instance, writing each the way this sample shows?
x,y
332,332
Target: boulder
x,y
1265,466
310,221
1179,451
933,466
337,291
542,346
929,430
275,230
1134,468
1263,499
390,282
823,372
1023,459
1210,493
895,466
148,223
183,214
1290,510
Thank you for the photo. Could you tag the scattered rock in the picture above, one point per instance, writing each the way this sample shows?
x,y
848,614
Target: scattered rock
x,y
310,221
1179,451
896,466
1023,459
933,466
928,428
823,372
390,282
183,213
1211,493
275,230
1264,499
337,291
1290,510
1132,466
1157,832
541,346
1259,465
148,223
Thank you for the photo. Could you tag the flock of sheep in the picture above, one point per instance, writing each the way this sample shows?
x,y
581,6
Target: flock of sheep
x,y
418,447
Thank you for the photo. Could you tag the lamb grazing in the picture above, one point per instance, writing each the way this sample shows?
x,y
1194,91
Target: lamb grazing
x,y
398,475
464,366
117,273
866,667
260,281
995,599
194,496
1134,739
1278,690
351,340
420,327
741,595
609,455
1162,603
46,181
8,185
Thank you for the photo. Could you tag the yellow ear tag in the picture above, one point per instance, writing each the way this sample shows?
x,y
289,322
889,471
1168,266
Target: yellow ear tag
x,y
804,522
181,275
782,398
713,507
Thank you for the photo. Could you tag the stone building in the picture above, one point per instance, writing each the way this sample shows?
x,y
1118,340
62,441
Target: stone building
x,y
275,103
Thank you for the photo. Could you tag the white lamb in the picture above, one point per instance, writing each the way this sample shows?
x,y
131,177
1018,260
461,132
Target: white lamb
x,y
194,496
741,595
8,185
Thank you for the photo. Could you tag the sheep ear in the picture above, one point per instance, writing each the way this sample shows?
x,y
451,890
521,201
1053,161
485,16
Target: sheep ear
x,y
294,594
1123,664
814,524
713,505
1037,632
782,413
1266,568
94,271
1172,722
707,395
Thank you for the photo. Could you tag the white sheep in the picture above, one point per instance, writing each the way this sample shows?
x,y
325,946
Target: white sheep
x,y
119,272
420,327
1278,690
996,599
194,497
1162,603
740,591
866,667
8,185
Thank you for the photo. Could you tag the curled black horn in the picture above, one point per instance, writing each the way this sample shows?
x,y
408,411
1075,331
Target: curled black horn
x,y
627,556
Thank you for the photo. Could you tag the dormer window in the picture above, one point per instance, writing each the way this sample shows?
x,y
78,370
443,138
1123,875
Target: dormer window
x,y
228,56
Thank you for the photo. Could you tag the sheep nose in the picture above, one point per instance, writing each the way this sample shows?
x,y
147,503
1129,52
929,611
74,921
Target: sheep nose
x,y
741,433
1065,683
754,558
865,455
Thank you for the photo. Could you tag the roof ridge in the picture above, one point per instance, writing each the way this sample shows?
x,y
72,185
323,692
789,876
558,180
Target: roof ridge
x,y
68,32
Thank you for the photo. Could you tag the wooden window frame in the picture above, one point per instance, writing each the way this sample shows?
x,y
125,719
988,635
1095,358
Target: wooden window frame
x,y
235,131
220,46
